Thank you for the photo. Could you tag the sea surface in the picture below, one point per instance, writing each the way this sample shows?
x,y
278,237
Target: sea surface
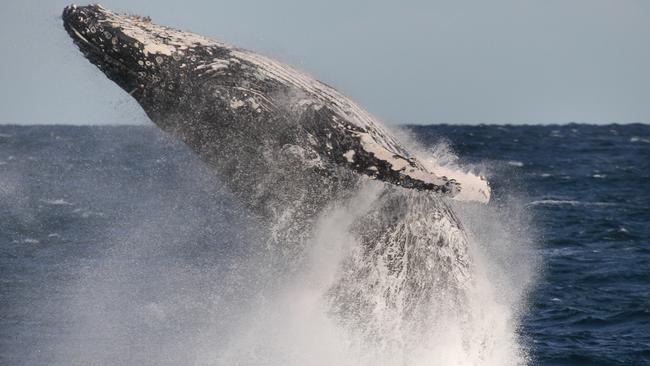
x,y
70,195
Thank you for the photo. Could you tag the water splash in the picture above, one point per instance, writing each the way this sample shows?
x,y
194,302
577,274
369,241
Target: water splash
x,y
401,302
387,277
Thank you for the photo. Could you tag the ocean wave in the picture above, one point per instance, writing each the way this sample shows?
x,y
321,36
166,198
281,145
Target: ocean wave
x,y
57,202
639,139
516,163
551,202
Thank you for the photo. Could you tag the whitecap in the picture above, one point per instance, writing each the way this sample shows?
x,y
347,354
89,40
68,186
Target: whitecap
x,y
31,241
516,163
57,202
639,139
552,202
620,229
87,214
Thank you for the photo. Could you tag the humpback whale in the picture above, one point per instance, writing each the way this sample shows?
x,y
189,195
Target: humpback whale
x,y
286,145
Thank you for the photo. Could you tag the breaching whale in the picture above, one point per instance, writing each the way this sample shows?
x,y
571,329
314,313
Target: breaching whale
x,y
286,144
194,86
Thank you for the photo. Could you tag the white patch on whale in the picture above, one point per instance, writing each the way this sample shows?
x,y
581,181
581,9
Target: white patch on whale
x,y
151,36
349,156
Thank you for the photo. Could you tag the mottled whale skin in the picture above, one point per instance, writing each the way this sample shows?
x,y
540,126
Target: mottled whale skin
x,y
208,91
288,146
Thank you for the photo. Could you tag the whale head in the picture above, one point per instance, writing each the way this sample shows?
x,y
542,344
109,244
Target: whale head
x,y
152,63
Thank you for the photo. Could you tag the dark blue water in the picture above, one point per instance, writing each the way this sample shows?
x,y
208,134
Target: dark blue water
x,y
69,194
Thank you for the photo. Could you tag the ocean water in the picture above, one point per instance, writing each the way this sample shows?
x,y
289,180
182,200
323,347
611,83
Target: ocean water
x,y
116,242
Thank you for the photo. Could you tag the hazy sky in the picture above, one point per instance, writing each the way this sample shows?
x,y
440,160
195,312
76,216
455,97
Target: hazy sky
x,y
455,61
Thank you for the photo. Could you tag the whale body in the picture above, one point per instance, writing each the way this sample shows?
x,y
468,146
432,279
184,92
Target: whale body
x,y
286,145
197,87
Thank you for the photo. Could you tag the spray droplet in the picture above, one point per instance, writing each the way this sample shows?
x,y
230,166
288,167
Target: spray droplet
x,y
108,35
159,60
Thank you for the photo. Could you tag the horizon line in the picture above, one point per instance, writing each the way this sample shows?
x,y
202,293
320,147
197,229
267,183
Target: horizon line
x,y
400,124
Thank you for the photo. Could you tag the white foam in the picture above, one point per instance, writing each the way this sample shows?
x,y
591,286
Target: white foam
x,y
554,202
474,187
639,139
57,202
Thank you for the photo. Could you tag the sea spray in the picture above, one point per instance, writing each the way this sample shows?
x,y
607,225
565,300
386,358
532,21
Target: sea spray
x,y
391,278
366,288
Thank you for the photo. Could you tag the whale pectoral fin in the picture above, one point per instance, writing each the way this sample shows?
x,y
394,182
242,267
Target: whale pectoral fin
x,y
374,158
403,172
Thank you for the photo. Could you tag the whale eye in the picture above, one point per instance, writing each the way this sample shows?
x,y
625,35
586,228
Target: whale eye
x,y
176,56
159,59
108,35
93,29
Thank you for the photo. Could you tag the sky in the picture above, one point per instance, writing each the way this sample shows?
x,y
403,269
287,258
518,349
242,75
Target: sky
x,y
419,62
